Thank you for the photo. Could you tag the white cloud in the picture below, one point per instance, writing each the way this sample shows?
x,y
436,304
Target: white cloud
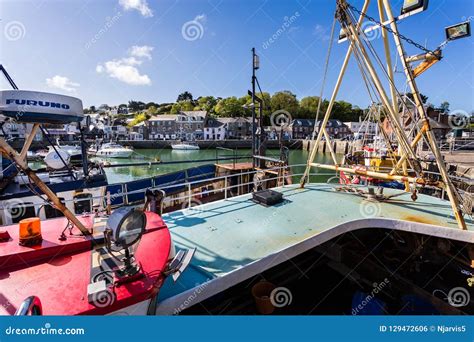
x,y
141,51
125,69
139,5
63,83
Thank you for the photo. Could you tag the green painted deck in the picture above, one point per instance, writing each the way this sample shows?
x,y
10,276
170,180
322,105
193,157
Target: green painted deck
x,y
232,233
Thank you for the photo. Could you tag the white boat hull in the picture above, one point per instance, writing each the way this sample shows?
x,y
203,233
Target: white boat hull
x,y
184,147
115,154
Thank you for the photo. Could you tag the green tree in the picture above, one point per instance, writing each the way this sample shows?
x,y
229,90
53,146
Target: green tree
x,y
152,110
135,106
285,100
423,97
150,104
140,117
206,103
185,96
230,107
444,107
309,107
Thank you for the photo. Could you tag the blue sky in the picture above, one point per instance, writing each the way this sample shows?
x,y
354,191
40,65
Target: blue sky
x,y
112,51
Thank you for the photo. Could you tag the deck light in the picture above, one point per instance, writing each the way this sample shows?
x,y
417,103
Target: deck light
x,y
410,6
124,229
126,226
458,31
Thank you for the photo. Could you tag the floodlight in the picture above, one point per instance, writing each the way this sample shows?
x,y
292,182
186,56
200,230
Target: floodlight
x,y
414,6
124,229
126,226
458,31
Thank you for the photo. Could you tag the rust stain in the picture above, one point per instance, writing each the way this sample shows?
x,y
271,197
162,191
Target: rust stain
x,y
418,219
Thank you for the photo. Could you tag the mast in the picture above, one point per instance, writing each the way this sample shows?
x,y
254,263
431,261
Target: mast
x,y
254,68
362,50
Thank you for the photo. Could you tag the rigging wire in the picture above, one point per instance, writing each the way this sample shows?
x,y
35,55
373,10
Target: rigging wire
x,y
406,146
326,67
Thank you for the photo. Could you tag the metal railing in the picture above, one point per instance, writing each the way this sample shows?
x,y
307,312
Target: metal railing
x,y
188,187
31,306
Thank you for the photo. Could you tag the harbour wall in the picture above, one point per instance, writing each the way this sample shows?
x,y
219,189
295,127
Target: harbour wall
x,y
339,146
161,144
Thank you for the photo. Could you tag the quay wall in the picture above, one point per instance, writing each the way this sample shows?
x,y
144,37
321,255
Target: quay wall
x,y
161,144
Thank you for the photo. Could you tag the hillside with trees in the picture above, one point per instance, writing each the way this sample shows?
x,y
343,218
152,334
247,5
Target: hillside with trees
x,y
233,106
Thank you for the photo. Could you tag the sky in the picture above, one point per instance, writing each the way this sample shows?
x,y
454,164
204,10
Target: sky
x,y
113,51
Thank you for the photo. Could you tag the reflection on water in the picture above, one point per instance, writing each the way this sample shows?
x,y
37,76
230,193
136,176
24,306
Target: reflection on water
x,y
189,159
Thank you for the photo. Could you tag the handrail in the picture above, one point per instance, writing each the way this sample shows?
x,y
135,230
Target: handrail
x,y
189,185
31,306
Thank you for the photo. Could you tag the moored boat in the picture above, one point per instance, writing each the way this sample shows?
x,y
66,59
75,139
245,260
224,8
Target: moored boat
x,y
114,150
185,146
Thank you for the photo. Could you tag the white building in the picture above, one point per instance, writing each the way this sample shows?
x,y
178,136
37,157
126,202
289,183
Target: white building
x,y
362,127
214,129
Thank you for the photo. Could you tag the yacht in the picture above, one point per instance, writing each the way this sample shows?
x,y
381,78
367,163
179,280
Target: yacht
x,y
185,146
114,150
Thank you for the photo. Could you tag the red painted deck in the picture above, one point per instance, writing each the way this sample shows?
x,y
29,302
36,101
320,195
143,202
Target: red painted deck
x,y
58,272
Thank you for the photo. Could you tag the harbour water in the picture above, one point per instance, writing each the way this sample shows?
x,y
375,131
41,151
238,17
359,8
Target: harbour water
x,y
189,159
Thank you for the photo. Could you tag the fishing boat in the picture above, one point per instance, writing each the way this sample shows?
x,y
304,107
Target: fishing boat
x,y
114,150
185,146
262,246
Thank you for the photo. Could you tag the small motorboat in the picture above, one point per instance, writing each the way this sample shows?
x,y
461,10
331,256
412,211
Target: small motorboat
x,y
114,150
188,146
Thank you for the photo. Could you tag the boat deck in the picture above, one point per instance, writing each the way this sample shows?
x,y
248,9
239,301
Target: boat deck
x,y
237,232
